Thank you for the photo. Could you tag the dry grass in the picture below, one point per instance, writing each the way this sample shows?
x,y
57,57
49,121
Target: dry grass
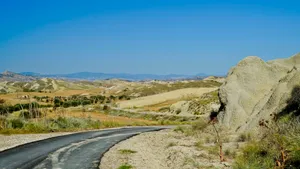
x,y
158,106
63,120
14,98
103,117
163,97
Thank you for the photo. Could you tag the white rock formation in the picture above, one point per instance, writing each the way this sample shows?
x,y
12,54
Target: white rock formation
x,y
254,89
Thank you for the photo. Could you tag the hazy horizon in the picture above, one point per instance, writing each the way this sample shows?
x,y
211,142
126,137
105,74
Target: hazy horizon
x,y
144,37
23,72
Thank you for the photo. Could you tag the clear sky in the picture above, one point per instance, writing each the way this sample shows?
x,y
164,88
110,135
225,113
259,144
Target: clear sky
x,y
144,36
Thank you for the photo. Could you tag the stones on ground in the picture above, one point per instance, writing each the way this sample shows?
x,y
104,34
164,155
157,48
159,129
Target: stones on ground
x,y
161,150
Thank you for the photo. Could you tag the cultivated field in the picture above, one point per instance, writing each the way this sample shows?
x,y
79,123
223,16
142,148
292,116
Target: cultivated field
x,y
163,97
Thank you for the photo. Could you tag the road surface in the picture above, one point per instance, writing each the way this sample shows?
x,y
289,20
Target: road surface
x,y
75,151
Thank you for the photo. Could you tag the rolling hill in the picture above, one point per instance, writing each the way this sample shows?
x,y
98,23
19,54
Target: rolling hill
x,y
124,76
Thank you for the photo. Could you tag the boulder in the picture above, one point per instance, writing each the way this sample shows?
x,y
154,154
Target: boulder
x,y
254,89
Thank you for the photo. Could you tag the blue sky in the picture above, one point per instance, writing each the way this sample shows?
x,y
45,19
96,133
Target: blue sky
x,y
144,36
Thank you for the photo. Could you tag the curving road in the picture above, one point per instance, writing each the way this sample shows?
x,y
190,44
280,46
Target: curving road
x,y
75,151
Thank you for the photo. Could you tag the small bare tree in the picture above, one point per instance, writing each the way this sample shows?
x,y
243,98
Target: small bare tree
x,y
213,121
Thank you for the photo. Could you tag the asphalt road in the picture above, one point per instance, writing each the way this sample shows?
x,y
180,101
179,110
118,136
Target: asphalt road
x,y
75,151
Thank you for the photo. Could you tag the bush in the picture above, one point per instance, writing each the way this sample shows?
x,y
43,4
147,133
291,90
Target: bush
x,y
164,109
66,104
3,122
255,156
75,103
106,108
127,151
35,128
180,129
2,101
21,125
178,111
125,166
244,137
229,153
200,124
280,143
35,113
86,102
16,123
4,109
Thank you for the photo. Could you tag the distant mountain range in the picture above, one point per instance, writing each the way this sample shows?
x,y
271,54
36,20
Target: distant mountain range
x,y
11,76
102,76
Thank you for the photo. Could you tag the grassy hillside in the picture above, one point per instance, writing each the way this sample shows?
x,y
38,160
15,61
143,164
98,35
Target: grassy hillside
x,y
46,85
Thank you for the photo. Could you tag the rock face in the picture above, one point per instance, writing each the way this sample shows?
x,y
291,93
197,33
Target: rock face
x,y
254,89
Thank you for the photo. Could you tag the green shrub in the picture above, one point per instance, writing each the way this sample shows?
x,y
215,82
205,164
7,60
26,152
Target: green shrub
x,y
199,144
66,104
200,124
255,156
229,153
106,108
278,138
180,129
125,166
35,128
109,124
21,125
171,144
3,122
164,109
16,123
127,151
35,113
244,137
178,111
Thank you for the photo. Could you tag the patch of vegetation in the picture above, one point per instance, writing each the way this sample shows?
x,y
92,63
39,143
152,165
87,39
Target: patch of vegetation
x,y
214,150
180,129
161,118
200,124
157,88
21,125
171,144
126,166
2,101
278,147
164,109
28,90
244,137
192,162
230,153
6,109
127,151
178,111
199,144
78,100
34,113
208,98
194,129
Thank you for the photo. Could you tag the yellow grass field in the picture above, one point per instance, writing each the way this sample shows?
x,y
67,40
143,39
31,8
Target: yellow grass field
x,y
164,97
102,117
14,98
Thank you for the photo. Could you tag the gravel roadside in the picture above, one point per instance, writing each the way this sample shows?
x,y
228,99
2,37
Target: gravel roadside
x,y
165,149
